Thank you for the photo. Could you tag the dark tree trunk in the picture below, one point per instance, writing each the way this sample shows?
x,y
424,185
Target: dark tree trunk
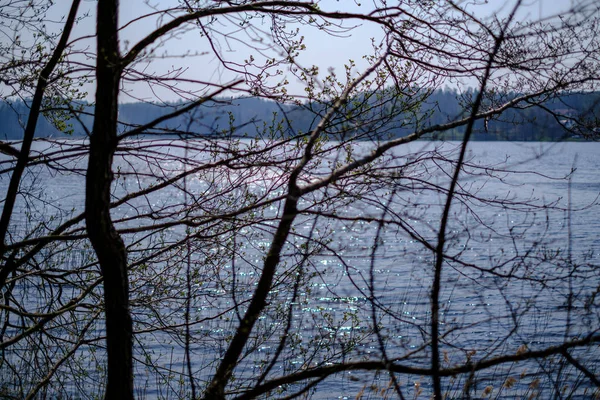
x,y
28,135
216,389
107,243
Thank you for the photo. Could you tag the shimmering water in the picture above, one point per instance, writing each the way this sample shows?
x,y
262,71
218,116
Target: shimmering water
x,y
521,267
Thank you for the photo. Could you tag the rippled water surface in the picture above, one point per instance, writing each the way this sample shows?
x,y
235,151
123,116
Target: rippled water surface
x,y
502,287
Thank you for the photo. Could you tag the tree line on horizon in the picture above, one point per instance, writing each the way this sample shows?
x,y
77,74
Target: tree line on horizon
x,y
567,116
285,266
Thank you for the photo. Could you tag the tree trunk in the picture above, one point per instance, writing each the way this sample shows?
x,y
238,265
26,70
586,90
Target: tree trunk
x,y
107,243
28,135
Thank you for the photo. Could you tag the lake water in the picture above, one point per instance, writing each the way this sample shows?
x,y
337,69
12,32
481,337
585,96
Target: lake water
x,y
521,269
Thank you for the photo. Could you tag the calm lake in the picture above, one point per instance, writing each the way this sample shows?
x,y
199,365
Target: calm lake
x,y
521,270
